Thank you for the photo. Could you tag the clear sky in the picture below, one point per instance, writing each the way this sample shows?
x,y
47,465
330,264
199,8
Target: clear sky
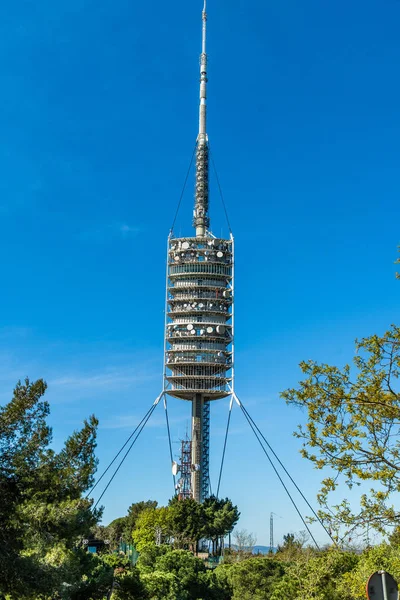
x,y
98,118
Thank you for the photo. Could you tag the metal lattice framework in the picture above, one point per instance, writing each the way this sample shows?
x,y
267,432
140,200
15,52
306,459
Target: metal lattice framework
x,y
184,486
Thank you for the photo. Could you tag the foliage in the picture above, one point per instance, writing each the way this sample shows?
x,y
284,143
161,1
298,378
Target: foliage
x,y
121,529
188,569
331,574
116,561
394,537
352,428
161,586
147,523
128,585
316,576
220,517
133,512
187,521
382,557
86,577
148,556
292,545
112,533
254,578
42,513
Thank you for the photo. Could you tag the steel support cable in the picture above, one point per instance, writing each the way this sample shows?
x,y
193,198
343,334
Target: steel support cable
x,y
224,450
183,189
287,473
119,452
169,440
220,190
126,454
279,477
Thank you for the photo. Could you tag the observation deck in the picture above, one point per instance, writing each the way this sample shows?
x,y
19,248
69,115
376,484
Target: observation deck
x,y
199,328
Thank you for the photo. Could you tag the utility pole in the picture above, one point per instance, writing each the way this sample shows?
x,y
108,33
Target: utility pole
x,y
271,532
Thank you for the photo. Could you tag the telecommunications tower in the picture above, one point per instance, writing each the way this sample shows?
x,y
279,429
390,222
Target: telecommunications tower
x,y
198,357
199,337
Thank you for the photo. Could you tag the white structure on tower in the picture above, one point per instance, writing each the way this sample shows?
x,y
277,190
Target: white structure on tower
x,y
199,309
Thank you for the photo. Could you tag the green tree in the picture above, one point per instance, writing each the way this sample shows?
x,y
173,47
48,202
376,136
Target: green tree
x,y
43,515
148,556
189,571
113,533
351,429
381,557
150,523
220,517
133,512
85,577
254,578
128,585
187,521
290,548
161,586
315,576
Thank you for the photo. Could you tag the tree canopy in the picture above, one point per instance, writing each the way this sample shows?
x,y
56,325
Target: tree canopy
x,y
352,429
43,515
185,522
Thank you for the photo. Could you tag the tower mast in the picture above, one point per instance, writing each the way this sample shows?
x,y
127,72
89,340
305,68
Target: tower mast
x,y
201,220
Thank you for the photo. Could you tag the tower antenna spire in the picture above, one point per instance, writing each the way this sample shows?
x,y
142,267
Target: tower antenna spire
x,y
203,77
201,219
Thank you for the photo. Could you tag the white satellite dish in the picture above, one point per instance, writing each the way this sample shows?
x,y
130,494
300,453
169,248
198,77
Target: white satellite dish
x,y
193,332
220,254
220,329
185,245
226,294
177,258
189,327
175,468
209,330
201,331
201,305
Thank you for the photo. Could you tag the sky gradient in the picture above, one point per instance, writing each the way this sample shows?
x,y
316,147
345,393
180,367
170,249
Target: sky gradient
x,y
98,119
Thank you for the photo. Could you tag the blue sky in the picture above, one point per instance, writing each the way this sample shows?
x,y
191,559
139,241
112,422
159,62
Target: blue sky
x,y
98,119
